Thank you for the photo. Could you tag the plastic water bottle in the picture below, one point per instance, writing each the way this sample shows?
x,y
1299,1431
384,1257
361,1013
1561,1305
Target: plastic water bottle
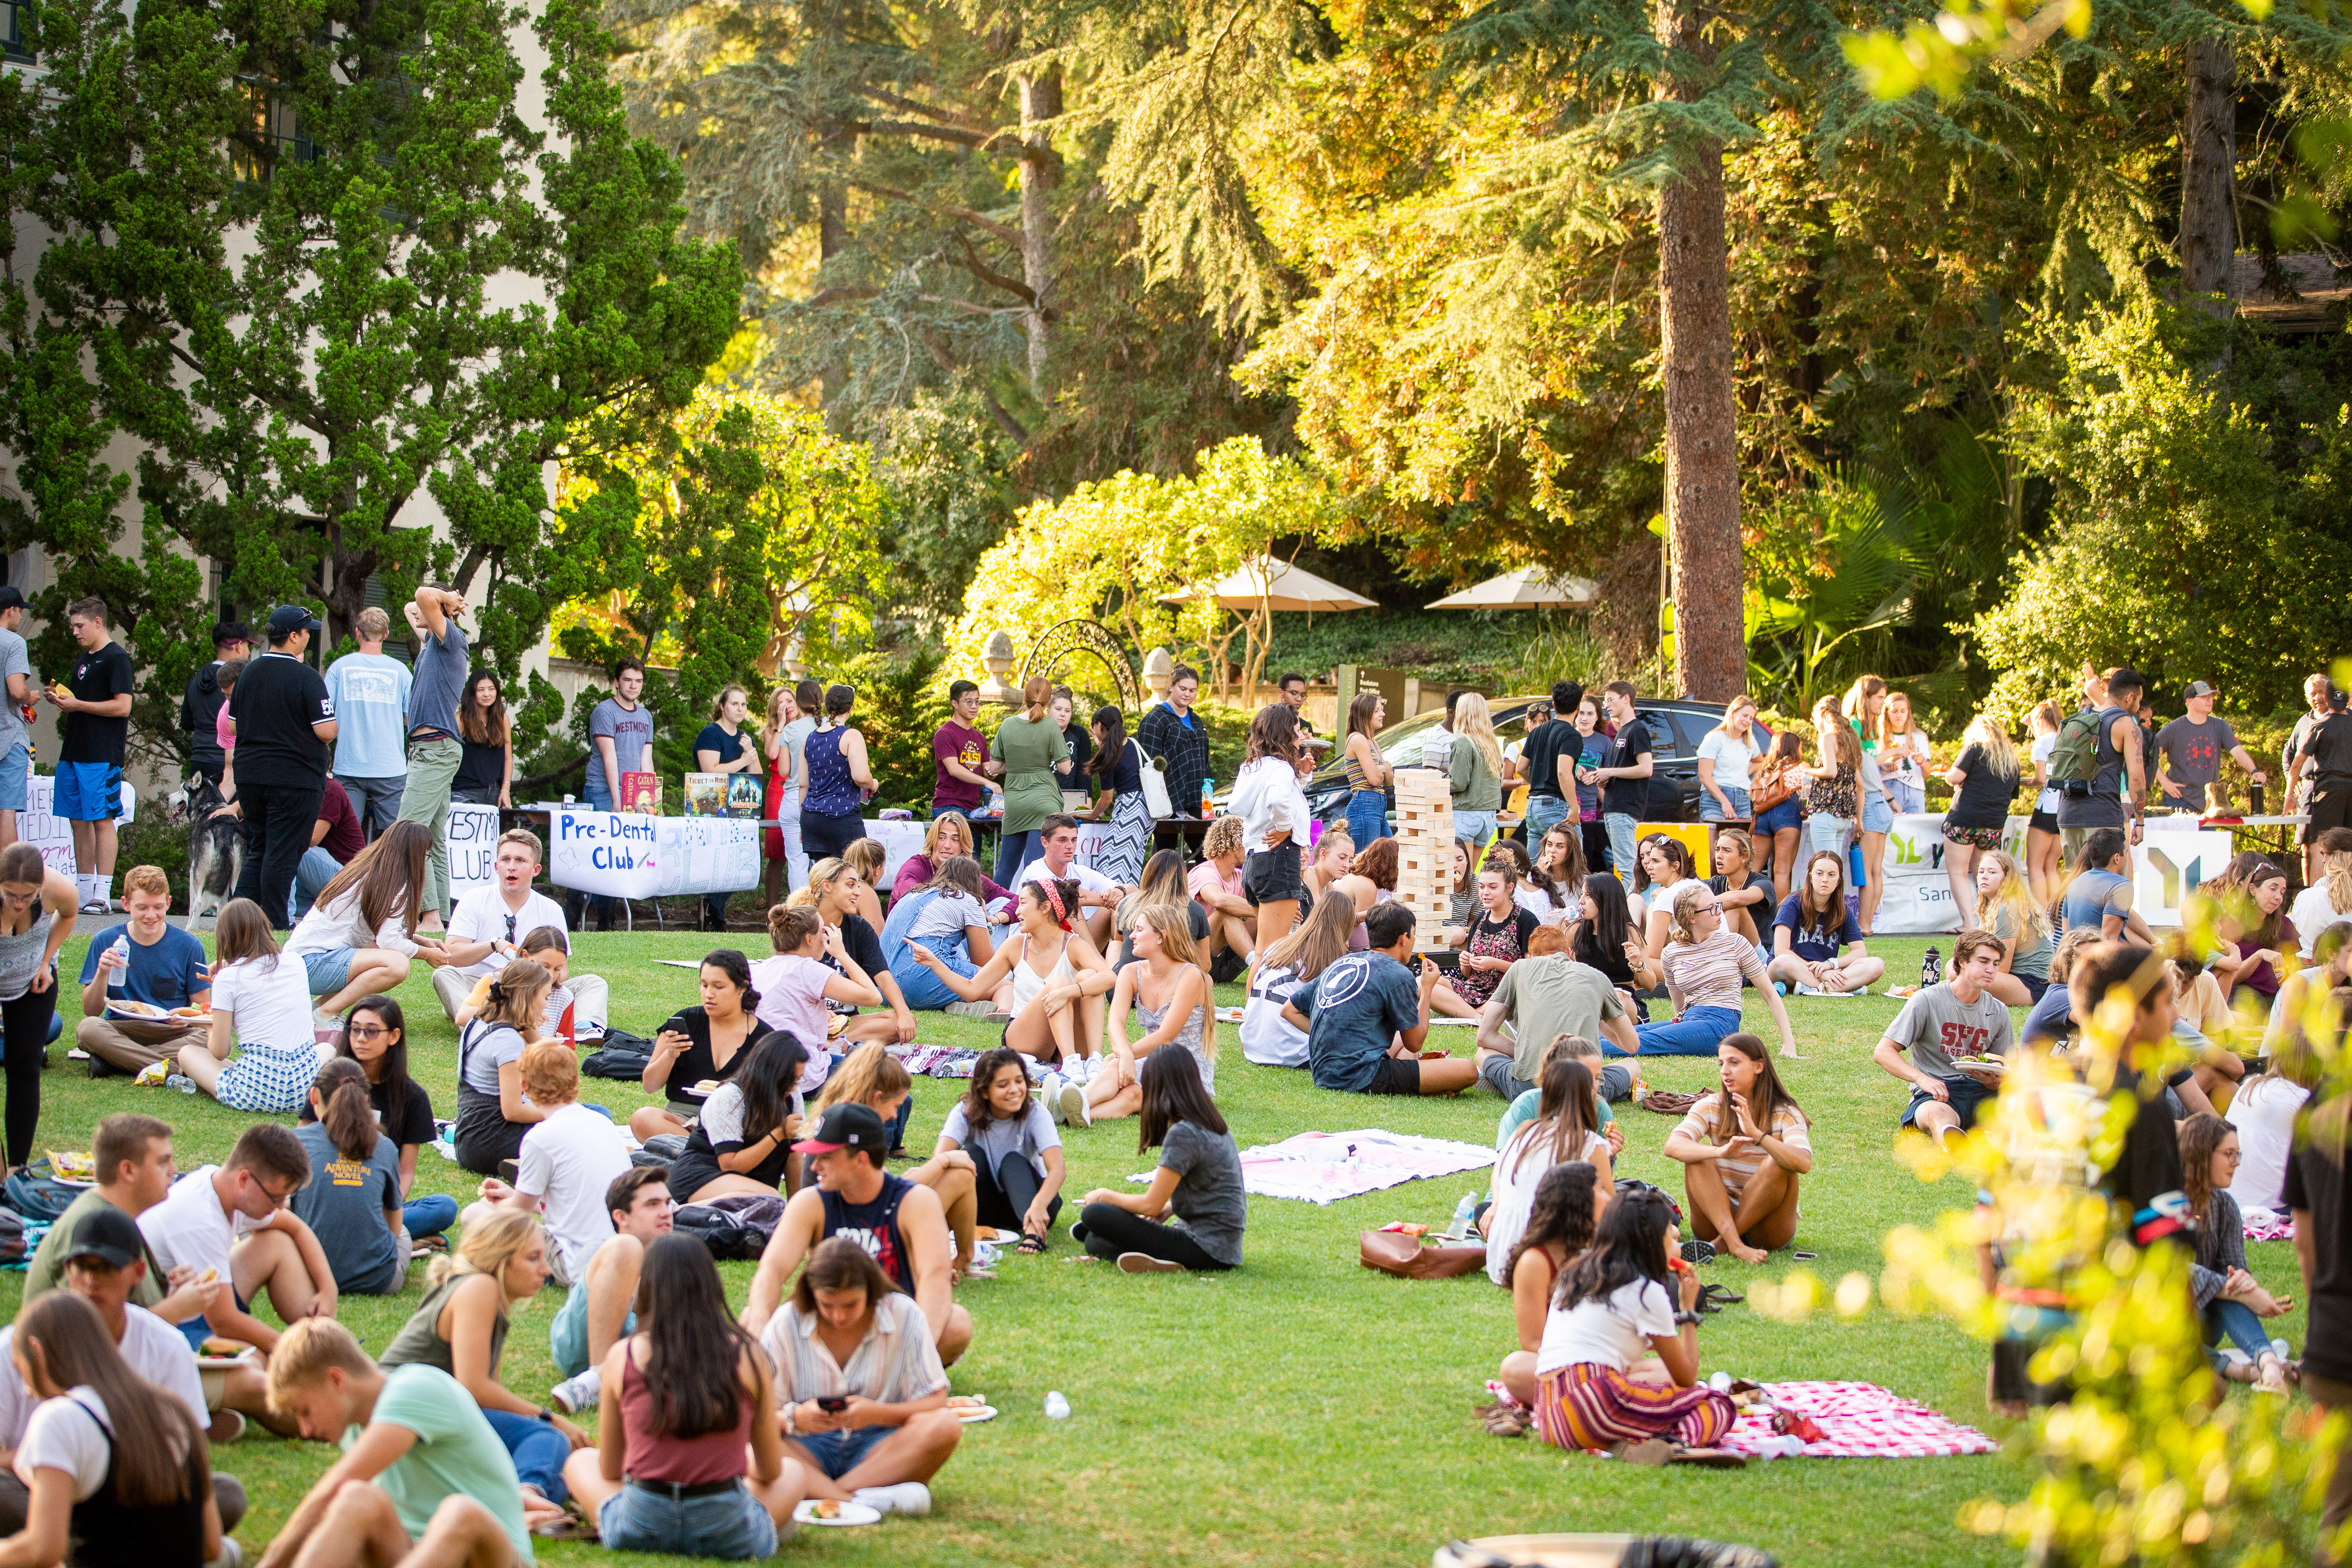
x,y
1208,800
2280,1348
1466,1215
1056,1407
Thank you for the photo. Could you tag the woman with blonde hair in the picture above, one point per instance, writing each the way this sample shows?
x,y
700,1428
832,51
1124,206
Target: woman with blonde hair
x,y
833,891
1905,757
493,1112
2005,907
788,724
1163,886
1167,992
2329,899
1036,755
1704,966
2042,839
1984,779
869,860
460,1326
1725,753
1369,774
1474,767
1865,708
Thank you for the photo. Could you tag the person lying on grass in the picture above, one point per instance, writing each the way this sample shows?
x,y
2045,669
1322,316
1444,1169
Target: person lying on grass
x,y
1365,1018
689,1457
742,1142
600,1313
1199,1179
1568,1208
423,1481
1566,1127
871,1077
864,1398
1016,1155
1742,1164
1166,990
1057,980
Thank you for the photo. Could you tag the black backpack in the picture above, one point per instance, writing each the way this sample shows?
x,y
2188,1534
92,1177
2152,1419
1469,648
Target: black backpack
x,y
733,1227
624,1055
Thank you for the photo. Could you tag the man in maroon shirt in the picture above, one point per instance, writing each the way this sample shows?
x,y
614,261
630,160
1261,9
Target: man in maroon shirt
x,y
960,750
335,837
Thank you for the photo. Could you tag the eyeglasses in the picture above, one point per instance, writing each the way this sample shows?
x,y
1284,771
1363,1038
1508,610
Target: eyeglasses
x,y
276,1200
368,1031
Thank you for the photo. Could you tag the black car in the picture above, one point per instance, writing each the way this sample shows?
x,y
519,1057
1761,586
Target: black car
x,y
1676,725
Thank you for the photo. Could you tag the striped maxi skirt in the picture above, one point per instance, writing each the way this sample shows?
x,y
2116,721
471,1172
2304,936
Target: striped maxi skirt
x,y
1588,1405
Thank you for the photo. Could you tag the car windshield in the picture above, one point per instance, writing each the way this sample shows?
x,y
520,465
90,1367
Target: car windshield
x,y
1400,743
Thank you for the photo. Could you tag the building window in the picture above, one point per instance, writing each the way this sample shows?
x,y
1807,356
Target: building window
x,y
277,137
12,42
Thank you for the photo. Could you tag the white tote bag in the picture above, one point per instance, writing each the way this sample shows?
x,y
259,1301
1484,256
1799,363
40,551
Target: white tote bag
x,y
1155,785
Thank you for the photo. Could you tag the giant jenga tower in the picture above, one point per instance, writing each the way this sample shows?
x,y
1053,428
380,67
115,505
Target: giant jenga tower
x,y
1425,835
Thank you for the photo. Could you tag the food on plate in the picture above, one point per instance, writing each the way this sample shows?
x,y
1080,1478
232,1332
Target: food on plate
x,y
193,1014
966,1402
827,1507
130,1008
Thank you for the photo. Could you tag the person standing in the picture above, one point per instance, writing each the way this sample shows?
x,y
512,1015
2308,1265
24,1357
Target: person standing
x,y
1292,687
1033,749
1547,762
201,703
2190,752
285,723
89,788
839,782
791,715
370,690
1179,741
1725,755
434,750
2319,1196
960,755
1118,767
486,741
721,747
2116,794
37,911
1623,778
2326,756
620,738
16,688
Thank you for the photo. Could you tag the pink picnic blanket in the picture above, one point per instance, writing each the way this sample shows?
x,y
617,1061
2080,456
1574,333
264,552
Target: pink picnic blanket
x,y
2269,1224
1859,1420
1324,1167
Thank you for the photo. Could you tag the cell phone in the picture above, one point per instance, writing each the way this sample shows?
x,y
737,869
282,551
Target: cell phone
x,y
832,1404
677,1024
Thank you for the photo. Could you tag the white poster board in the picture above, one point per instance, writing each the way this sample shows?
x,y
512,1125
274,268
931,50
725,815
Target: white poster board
x,y
34,825
472,837
901,839
623,855
1919,896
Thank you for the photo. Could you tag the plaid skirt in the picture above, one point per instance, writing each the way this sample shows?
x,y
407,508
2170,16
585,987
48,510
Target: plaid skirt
x,y
1588,1405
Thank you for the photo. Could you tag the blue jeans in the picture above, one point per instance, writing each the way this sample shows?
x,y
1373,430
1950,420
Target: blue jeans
x,y
1477,826
1823,831
1711,810
1368,816
312,875
838,1453
642,1516
1014,850
2235,1321
1696,1034
1544,812
1908,800
925,991
1625,832
963,811
538,1449
429,1215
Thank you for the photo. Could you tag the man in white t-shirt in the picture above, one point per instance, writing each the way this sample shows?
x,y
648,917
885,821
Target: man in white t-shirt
x,y
603,1311
1059,860
486,930
230,1224
569,1157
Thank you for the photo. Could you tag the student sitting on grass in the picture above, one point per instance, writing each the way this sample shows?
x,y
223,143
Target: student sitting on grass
x,y
2005,907
1705,964
871,1077
742,1142
1568,1206
2230,1303
1496,938
1366,1038
1745,892
2052,1021
360,933
700,1046
948,918
460,1329
116,1471
569,1158
1199,1179
1740,1167
600,1311
1055,980
1168,992
1608,1078
800,987
426,1483
1017,1155
1612,1307
493,1112
1566,1127
375,1035
261,1012
1545,996
862,1393
548,947
351,1202
1314,945
232,1226
1816,945
1941,1024
689,1458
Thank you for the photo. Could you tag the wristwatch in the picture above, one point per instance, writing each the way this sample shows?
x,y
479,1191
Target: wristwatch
x,y
1682,1318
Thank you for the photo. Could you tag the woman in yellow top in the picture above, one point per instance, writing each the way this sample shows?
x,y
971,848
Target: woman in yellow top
x,y
1037,758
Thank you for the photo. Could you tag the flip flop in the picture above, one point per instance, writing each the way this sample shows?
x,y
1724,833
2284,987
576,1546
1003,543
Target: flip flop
x,y
1031,1245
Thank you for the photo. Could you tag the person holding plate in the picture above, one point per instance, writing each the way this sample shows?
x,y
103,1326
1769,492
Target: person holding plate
x,y
1943,1025
148,961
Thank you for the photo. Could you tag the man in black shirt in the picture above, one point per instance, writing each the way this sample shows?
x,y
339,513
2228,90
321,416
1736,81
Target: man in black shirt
x,y
1547,762
200,705
2319,1196
1623,777
2326,754
284,722
96,702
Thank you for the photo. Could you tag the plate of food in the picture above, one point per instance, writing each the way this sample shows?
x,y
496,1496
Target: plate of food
x,y
125,1007
836,1514
1994,1064
1229,1015
192,1015
970,1408
704,1089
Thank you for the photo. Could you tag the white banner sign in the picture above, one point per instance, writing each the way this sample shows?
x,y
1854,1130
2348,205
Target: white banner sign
x,y
622,855
901,839
34,825
472,837
1919,896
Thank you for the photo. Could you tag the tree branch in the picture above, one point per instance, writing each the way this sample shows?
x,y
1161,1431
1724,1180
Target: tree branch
x,y
829,296
973,264
923,111
1005,232
1006,140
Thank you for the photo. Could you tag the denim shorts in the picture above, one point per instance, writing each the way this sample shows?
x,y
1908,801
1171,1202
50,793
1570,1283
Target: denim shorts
x,y
14,763
87,792
1877,816
1272,876
1708,811
838,1453
330,970
732,1525
1773,818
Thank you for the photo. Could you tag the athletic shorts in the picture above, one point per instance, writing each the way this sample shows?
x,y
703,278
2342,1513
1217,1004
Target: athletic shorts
x,y
1968,1097
1395,1075
2331,807
87,792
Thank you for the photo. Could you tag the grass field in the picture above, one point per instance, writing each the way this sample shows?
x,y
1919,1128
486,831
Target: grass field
x,y
1302,1408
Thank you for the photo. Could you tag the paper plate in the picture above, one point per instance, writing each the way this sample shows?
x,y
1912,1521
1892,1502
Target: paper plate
x,y
146,1012
971,1415
1229,1015
852,1513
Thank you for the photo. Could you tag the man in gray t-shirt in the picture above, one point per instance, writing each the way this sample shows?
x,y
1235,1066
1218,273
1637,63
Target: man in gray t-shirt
x,y
1941,1023
2190,751
15,687
433,752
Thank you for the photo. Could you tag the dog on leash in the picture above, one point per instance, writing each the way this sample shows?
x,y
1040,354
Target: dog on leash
x,y
216,846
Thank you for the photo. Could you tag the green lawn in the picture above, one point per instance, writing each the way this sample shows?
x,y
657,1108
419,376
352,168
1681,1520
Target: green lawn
x,y
1303,1409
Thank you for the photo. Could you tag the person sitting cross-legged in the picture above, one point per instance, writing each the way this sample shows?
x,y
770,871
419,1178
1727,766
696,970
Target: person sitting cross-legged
x,y
600,1313
1816,944
568,1160
233,1226
1015,1154
1365,1018
871,1077
424,1482
1742,1164
863,1395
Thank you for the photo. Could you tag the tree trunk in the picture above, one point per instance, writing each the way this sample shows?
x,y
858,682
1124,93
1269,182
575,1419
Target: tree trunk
x,y
1041,171
1701,423
2209,183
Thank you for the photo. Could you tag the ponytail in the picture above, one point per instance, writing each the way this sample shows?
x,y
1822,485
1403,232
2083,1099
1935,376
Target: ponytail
x,y
344,1110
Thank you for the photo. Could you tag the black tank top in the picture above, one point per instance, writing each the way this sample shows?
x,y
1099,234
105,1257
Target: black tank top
x,y
108,1534
874,1226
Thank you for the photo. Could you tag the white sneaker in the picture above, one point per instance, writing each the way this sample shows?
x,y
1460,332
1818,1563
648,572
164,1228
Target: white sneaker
x,y
1082,1070
1072,1107
912,1498
574,1394
1051,1092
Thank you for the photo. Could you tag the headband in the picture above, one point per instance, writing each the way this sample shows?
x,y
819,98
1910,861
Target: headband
x,y
1053,896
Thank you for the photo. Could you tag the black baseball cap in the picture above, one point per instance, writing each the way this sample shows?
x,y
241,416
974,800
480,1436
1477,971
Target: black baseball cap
x,y
109,1235
231,631
11,597
846,1125
287,619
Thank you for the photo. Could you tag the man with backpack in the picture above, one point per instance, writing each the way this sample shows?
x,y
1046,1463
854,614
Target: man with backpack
x,y
2097,765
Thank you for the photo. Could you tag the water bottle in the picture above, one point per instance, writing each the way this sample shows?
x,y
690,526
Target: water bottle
x,y
1466,1215
1208,801
1056,1407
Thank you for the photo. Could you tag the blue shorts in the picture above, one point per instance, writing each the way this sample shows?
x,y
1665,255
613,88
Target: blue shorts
x,y
330,970
87,792
567,1336
1877,816
196,1330
1968,1097
732,1525
838,1453
1773,818
13,762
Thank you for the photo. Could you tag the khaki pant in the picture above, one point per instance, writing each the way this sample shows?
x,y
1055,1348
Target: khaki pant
x,y
129,1046
432,768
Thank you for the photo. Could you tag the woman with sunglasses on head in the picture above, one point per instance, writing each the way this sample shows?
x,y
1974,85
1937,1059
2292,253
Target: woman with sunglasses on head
x,y
1705,964
1057,980
375,1035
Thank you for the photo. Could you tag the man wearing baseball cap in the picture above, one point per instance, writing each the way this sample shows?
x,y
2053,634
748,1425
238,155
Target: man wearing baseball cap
x,y
2190,751
200,705
16,691
899,1222
284,723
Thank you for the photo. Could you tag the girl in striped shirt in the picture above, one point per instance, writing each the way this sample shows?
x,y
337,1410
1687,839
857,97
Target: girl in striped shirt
x,y
1705,962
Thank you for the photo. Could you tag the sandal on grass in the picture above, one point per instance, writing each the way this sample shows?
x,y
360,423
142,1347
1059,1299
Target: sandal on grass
x,y
1506,1421
1711,1458
1031,1245
1714,1297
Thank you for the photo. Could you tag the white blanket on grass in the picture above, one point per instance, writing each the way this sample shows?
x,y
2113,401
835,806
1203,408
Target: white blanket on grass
x,y
1324,1167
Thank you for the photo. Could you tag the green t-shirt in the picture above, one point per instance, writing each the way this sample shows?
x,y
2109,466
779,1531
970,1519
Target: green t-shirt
x,y
1033,790
48,1259
456,1451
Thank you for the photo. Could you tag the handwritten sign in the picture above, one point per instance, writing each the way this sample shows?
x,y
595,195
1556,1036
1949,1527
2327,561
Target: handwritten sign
x,y
623,855
472,837
35,825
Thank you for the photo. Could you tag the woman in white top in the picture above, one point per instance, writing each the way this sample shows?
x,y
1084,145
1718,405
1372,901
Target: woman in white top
x,y
2329,900
1058,979
1566,1127
261,1012
1319,942
2263,1111
360,934
2043,842
1167,992
1724,754
1741,1167
1272,808
1904,758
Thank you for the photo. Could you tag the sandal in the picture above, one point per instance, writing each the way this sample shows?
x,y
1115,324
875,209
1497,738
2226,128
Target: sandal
x,y
1506,1421
1031,1245
1712,1459
1712,1298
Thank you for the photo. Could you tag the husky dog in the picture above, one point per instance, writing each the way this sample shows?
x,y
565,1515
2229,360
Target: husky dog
x,y
216,846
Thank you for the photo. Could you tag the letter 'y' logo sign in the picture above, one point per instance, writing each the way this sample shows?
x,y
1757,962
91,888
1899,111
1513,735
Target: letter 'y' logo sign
x,y
2174,878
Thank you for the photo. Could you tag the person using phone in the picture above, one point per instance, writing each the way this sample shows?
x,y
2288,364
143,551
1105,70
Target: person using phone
x,y
701,1045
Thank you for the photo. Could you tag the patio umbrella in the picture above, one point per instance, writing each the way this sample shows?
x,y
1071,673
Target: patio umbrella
x,y
1528,588
1264,585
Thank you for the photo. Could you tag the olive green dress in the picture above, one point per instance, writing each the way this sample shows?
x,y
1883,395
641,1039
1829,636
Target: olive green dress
x,y
1033,790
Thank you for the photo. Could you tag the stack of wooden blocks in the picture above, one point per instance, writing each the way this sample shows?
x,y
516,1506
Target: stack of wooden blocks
x,y
1424,833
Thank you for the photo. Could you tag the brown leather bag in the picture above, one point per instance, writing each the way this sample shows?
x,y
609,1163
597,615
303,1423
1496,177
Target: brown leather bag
x,y
1394,1252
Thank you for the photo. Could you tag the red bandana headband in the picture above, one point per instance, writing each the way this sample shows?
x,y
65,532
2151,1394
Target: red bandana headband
x,y
1053,896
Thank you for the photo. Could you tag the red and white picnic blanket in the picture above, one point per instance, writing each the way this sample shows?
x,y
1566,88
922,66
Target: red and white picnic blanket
x,y
1859,1420
2268,1225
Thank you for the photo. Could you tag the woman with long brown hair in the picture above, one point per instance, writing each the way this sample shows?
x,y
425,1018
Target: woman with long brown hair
x,y
486,736
1369,774
1743,1148
1566,1127
2230,1303
359,937
1274,816
1866,710
1314,945
1167,992
1567,1204
1034,750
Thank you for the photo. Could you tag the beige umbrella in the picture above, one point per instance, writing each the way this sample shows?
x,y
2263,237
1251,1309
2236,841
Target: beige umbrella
x,y
1257,590
1528,588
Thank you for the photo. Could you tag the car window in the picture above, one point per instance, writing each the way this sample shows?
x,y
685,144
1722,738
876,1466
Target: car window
x,y
1666,734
